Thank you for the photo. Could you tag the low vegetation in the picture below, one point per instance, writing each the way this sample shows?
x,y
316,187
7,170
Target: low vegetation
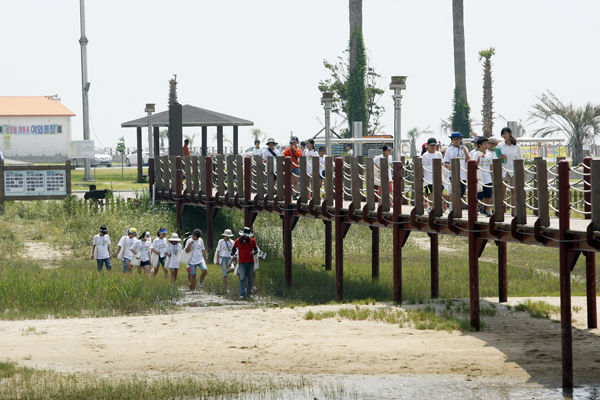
x,y
538,309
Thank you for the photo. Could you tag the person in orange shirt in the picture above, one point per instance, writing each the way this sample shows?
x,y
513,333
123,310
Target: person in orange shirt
x,y
186,148
295,153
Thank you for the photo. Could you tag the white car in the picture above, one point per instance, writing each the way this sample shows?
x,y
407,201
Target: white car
x,y
132,158
100,158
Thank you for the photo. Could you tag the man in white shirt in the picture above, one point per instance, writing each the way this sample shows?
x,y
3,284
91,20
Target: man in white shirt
x,y
257,151
484,164
427,161
271,151
101,248
457,150
387,153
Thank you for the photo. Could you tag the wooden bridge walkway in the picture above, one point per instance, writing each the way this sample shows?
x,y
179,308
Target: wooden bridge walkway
x,y
555,207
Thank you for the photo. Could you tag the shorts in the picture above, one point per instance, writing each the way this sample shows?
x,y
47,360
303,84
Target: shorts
x,y
429,189
125,268
322,176
144,263
105,261
225,266
161,261
296,171
193,267
486,193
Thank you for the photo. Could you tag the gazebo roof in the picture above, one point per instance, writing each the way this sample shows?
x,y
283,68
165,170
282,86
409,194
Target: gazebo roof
x,y
192,116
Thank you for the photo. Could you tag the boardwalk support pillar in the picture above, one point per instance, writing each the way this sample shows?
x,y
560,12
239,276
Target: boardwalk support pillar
x,y
590,275
339,229
565,275
435,265
328,245
502,272
178,189
287,221
474,244
374,252
399,235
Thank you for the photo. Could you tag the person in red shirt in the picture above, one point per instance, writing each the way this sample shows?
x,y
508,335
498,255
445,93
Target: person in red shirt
x,y
186,149
295,153
247,249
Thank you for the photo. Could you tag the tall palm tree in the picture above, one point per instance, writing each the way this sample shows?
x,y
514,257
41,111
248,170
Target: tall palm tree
x,y
487,111
461,122
573,122
355,13
413,135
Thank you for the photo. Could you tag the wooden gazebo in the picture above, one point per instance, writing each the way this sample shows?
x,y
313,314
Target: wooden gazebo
x,y
191,116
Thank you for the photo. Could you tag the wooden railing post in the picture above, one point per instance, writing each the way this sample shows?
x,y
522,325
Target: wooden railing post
x,y
418,185
384,186
519,200
357,183
498,185
456,186
437,187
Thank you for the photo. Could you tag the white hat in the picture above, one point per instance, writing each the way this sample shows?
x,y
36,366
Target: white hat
x,y
174,238
246,232
227,233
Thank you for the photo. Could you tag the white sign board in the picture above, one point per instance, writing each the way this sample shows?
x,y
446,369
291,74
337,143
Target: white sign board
x,y
81,149
35,183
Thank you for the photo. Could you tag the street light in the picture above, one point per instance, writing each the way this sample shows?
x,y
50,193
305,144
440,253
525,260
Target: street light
x,y
326,100
150,109
397,85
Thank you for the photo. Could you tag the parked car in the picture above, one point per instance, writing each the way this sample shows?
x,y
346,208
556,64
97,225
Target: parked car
x,y
132,158
100,158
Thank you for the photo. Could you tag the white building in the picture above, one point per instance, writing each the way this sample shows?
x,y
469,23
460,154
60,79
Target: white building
x,y
34,128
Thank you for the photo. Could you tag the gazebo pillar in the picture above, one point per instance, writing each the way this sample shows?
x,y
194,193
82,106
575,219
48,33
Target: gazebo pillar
x,y
156,142
235,140
204,141
139,154
220,140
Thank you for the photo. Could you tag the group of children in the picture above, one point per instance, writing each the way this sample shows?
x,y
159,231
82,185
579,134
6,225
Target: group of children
x,y
169,254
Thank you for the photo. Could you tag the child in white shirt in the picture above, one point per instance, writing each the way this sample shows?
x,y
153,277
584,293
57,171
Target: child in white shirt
x,y
101,248
173,251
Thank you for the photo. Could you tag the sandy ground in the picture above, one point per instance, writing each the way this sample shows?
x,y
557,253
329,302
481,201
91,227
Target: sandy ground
x,y
230,339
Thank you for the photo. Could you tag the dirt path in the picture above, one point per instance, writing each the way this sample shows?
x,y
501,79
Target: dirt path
x,y
226,340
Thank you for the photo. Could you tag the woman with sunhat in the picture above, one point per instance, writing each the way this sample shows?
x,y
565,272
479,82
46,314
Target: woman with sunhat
x,y
247,249
173,251
224,249
272,154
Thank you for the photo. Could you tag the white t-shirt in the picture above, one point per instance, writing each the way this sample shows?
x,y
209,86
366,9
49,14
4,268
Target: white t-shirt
x,y
457,152
257,152
485,165
224,248
127,242
377,162
309,154
266,154
142,247
159,245
175,251
427,160
102,242
512,153
196,247
322,165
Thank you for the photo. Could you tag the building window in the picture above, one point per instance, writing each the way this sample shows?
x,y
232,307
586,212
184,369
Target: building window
x,y
58,128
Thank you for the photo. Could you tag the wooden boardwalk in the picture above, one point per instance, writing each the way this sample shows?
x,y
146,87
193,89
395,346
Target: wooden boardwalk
x,y
555,207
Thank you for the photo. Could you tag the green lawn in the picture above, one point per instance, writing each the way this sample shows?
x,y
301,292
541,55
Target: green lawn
x,y
109,178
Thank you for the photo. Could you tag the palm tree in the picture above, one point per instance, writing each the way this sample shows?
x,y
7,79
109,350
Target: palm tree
x,y
258,134
163,134
573,122
460,69
413,135
487,111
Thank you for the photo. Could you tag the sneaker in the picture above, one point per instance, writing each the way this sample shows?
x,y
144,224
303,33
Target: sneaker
x,y
242,297
428,209
295,197
253,287
200,285
227,291
450,208
194,292
488,213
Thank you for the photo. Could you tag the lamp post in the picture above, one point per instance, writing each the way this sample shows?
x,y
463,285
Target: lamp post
x,y
397,85
150,109
326,100
85,88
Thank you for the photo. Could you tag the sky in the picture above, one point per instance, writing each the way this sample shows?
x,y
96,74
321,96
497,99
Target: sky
x,y
262,60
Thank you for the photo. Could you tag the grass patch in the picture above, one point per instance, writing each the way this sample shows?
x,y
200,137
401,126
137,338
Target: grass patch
x,y
420,318
109,178
538,309
25,383
30,292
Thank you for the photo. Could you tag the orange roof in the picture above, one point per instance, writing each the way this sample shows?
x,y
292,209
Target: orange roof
x,y
32,106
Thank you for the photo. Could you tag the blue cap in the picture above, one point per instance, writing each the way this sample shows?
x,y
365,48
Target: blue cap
x,y
455,134
162,231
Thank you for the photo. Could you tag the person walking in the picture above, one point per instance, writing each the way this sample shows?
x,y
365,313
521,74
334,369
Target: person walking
x,y
294,153
158,248
309,153
247,249
141,249
173,250
257,151
224,249
457,150
511,151
101,249
348,150
198,260
271,153
185,150
125,244
484,172
427,161
387,153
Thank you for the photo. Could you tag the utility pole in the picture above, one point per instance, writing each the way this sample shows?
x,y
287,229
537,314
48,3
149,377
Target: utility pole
x,y
85,88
